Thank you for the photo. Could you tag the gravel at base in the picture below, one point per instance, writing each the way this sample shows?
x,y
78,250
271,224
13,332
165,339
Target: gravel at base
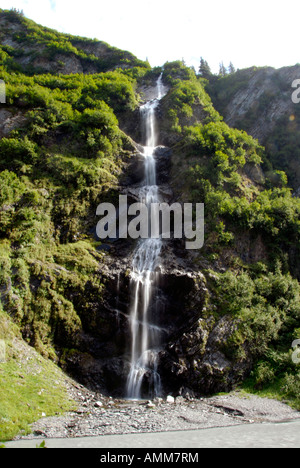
x,y
98,415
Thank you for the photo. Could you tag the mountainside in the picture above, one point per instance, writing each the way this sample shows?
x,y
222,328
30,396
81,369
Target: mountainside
x,y
259,101
30,48
69,139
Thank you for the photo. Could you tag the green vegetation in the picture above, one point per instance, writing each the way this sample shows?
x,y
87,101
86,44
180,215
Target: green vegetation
x,y
220,166
17,389
64,153
187,100
37,45
68,145
264,307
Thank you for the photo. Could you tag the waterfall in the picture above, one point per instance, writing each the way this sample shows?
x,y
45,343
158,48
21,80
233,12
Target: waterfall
x,y
145,336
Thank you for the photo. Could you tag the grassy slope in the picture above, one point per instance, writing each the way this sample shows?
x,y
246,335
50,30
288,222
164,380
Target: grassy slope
x,y
30,386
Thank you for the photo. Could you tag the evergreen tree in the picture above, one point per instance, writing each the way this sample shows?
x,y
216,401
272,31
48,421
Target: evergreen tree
x,y
222,70
231,68
204,69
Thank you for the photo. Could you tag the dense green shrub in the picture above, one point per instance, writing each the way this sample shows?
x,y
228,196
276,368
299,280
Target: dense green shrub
x,y
264,306
11,188
115,88
175,72
19,150
187,100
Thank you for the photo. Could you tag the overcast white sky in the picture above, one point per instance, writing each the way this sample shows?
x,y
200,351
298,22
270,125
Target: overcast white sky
x,y
253,32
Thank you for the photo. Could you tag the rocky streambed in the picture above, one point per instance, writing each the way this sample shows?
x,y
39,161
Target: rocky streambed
x,y
97,415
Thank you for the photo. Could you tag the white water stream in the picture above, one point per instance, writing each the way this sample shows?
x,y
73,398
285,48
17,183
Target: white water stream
x,y
145,336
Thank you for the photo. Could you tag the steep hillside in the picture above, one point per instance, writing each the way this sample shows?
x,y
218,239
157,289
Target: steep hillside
x,y
30,48
245,315
62,152
259,101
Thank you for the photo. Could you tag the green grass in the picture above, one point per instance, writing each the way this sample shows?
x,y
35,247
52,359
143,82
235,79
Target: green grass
x,y
285,389
30,387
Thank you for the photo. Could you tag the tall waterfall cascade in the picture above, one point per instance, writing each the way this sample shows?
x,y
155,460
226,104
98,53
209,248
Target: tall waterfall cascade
x,y
145,335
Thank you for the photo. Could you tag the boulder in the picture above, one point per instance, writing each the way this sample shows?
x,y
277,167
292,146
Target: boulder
x,y
170,399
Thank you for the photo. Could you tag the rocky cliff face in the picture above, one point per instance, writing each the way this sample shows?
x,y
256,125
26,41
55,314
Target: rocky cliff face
x,y
192,357
263,100
259,101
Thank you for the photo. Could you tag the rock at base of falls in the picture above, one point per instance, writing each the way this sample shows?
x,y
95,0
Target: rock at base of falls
x,y
170,399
